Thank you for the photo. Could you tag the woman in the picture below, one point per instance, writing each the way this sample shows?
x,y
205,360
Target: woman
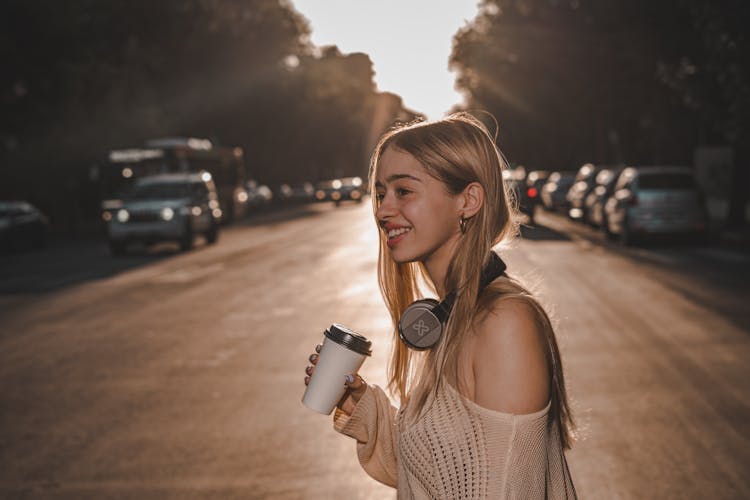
x,y
484,413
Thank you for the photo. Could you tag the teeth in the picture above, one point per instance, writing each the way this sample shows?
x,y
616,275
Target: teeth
x,y
396,232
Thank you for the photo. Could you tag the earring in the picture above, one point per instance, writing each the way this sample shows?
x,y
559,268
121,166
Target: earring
x,y
462,224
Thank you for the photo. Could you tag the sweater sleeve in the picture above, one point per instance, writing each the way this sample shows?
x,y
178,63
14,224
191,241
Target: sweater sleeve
x,y
372,424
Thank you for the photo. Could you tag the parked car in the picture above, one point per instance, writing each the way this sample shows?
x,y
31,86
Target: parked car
x,y
259,196
165,207
338,190
585,182
301,192
22,226
525,196
655,200
555,190
535,180
605,185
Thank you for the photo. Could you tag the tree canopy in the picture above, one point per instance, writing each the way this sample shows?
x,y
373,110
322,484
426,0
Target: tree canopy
x,y
610,81
82,77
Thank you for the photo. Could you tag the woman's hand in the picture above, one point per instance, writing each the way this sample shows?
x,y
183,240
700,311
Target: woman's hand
x,y
355,385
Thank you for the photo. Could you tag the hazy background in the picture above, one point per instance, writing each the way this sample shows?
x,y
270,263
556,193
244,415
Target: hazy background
x,y
604,81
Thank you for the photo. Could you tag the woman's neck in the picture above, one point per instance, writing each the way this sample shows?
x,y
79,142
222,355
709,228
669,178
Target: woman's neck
x,y
437,267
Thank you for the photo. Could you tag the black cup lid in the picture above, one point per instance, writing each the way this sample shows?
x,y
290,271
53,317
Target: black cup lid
x,y
349,339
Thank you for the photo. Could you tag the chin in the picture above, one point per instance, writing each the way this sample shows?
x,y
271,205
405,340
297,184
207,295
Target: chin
x,y
404,256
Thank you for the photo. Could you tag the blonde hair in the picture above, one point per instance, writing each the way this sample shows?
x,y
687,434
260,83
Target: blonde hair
x,y
457,150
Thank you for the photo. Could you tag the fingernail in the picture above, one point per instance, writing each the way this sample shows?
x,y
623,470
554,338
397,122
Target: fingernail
x,y
312,357
350,379
317,348
308,370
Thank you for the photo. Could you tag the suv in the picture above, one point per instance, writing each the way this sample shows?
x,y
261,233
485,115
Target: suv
x,y
168,207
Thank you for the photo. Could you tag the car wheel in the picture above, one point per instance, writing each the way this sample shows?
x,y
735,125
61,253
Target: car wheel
x,y
213,234
187,240
117,247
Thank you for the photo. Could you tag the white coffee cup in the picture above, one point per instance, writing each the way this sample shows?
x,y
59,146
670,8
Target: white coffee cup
x,y
342,353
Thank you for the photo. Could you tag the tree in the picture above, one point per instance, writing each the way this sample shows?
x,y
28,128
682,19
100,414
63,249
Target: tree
x,y
82,77
585,80
711,73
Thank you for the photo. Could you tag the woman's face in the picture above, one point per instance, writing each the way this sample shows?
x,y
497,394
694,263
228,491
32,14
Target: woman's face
x,y
415,211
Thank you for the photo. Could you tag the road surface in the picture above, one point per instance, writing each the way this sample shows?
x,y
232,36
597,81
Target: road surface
x,y
168,375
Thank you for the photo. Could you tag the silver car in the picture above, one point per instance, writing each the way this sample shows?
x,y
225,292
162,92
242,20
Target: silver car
x,y
165,207
555,189
655,200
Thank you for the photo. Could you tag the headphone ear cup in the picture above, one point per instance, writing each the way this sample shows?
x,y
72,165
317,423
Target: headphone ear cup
x,y
419,326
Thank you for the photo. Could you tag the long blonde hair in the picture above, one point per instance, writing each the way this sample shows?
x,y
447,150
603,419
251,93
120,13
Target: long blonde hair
x,y
457,150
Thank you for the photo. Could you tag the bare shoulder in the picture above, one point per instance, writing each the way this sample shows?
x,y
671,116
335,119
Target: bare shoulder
x,y
510,358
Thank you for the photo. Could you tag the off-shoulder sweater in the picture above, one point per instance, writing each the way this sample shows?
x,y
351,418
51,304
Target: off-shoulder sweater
x,y
458,449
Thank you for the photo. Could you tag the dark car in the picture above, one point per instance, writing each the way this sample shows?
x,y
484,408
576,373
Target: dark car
x,y
338,190
658,200
596,199
526,197
259,196
585,182
554,191
165,207
22,226
535,180
301,192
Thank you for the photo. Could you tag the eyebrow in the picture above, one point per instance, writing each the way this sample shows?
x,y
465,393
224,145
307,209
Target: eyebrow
x,y
396,177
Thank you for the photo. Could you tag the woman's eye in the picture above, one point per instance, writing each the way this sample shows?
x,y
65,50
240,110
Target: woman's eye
x,y
379,196
402,192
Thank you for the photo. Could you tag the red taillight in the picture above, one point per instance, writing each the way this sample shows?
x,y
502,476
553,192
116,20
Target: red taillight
x,y
532,192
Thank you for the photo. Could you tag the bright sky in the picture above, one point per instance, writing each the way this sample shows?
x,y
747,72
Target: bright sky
x,y
409,42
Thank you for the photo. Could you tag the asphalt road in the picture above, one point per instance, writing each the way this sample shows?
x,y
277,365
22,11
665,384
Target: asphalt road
x,y
168,375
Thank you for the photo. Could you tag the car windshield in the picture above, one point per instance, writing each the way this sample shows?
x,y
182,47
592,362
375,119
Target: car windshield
x,y
666,181
159,191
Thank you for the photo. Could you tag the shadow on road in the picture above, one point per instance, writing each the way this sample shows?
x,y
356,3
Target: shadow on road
x,y
67,262
538,232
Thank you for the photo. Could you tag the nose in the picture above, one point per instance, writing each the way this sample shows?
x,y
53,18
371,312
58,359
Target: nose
x,y
385,209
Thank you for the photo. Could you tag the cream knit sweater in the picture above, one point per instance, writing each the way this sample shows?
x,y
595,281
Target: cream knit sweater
x,y
458,449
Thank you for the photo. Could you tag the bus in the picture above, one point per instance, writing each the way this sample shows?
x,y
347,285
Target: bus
x,y
178,154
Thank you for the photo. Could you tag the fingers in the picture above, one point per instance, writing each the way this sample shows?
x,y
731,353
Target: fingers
x,y
314,360
355,383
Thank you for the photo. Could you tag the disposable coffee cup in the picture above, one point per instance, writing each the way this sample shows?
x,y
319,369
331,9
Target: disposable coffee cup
x,y
342,353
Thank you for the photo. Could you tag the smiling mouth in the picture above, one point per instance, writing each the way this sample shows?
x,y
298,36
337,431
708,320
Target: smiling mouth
x,y
394,233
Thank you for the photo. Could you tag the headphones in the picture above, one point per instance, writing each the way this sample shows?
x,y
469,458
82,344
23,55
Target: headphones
x,y
422,324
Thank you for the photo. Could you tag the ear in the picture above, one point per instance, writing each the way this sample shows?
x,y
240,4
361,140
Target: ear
x,y
471,200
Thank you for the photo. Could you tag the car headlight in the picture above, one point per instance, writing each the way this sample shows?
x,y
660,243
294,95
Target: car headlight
x,y
123,215
196,211
167,213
